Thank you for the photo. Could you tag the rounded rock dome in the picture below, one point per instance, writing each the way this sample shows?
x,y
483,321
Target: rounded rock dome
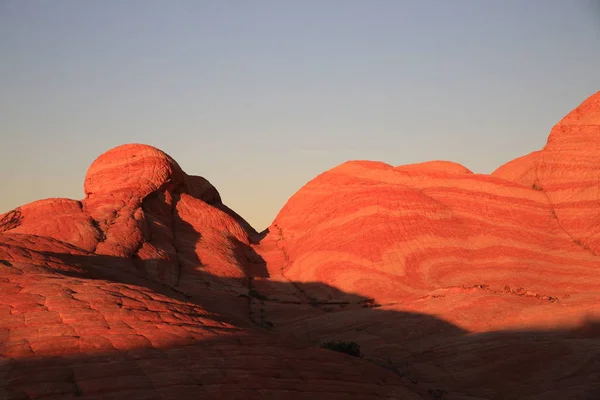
x,y
137,168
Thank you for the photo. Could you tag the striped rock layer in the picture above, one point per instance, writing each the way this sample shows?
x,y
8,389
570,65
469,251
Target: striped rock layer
x,y
456,285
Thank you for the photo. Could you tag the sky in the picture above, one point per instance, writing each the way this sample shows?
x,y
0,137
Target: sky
x,y
261,96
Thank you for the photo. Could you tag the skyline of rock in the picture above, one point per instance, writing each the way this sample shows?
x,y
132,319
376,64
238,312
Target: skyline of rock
x,y
454,284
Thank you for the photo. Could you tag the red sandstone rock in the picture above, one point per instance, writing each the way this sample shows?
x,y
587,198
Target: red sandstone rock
x,y
456,285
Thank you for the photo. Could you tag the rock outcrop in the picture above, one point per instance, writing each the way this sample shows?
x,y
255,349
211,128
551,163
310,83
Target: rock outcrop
x,y
456,285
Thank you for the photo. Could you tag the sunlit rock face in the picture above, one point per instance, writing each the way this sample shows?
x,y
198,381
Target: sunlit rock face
x,y
456,285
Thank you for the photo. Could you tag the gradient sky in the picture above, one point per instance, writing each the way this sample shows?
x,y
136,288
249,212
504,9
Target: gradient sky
x,y
261,96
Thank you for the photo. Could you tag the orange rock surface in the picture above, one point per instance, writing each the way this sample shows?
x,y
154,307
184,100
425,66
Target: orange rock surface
x,y
456,285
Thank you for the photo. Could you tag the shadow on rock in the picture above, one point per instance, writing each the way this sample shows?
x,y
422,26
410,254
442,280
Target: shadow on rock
x,y
274,347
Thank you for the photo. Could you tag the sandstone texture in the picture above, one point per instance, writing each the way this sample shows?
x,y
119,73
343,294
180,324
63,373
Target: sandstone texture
x,y
456,285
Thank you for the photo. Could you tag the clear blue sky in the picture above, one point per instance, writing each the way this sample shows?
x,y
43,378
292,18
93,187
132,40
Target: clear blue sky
x,y
261,96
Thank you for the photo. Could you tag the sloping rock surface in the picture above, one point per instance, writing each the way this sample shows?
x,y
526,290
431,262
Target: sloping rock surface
x,y
456,285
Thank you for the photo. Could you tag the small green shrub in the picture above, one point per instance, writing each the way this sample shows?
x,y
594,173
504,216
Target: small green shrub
x,y
369,303
351,348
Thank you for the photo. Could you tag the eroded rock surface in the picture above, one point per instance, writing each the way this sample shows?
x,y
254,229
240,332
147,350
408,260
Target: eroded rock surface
x,y
456,285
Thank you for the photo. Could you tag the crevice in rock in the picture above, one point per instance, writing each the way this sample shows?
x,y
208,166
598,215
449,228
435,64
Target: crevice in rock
x,y
507,290
101,233
286,262
95,225
254,296
537,186
176,196
11,220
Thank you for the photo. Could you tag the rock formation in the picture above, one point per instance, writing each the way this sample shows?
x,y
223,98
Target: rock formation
x,y
456,285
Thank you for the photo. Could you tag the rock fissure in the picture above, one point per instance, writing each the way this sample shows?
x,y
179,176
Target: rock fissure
x,y
174,217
